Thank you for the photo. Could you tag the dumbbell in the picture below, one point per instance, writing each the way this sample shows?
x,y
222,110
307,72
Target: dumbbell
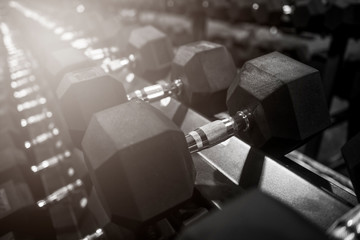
x,y
19,211
77,124
143,49
39,135
205,70
110,90
110,32
36,121
14,218
39,217
53,185
57,195
151,52
239,88
13,138
54,36
201,73
31,126
155,46
254,215
123,142
51,164
38,128
80,195
15,135
97,79
114,34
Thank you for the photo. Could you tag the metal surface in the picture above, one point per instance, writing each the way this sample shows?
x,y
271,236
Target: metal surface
x,y
234,163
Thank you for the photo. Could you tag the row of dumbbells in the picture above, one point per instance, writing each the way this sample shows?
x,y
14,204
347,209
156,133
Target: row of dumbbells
x,y
335,56
197,136
58,195
40,170
145,91
154,54
249,41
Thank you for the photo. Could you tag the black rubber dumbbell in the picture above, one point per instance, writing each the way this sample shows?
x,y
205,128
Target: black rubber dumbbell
x,y
134,137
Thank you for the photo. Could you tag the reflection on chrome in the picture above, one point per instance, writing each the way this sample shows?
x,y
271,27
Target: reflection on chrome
x,y
130,77
99,233
117,64
60,194
20,74
287,9
22,81
45,114
31,104
26,91
50,162
42,138
347,227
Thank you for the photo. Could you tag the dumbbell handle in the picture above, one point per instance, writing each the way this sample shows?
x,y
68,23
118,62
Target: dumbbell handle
x,y
60,194
218,131
346,227
157,91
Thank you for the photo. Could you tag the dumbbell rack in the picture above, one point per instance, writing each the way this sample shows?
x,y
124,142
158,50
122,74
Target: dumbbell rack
x,y
234,166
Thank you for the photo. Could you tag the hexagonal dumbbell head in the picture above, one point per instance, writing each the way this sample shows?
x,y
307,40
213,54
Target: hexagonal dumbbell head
x,y
152,48
65,60
138,160
285,98
205,68
84,92
115,34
